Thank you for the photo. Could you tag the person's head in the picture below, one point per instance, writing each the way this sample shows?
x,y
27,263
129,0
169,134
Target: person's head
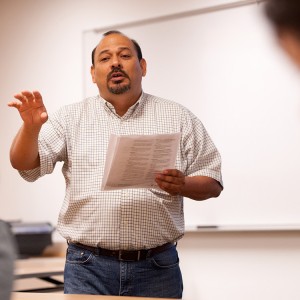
x,y
118,66
285,17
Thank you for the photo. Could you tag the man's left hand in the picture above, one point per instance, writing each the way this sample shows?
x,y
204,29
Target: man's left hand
x,y
171,181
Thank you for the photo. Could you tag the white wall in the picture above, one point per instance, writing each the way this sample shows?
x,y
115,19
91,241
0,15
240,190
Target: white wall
x,y
241,265
41,49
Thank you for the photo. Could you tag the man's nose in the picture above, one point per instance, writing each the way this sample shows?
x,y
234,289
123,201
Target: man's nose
x,y
116,62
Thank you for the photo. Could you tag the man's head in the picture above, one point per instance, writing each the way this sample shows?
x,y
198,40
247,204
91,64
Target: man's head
x,y
136,45
285,16
118,66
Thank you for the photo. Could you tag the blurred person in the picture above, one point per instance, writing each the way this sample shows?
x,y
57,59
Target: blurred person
x,y
284,15
7,257
120,242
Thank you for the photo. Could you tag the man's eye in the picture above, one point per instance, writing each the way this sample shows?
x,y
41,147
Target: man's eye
x,y
126,56
103,59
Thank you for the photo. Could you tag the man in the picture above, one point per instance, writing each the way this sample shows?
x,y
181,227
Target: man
x,y
285,16
121,242
7,257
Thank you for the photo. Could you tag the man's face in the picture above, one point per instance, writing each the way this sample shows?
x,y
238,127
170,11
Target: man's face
x,y
117,69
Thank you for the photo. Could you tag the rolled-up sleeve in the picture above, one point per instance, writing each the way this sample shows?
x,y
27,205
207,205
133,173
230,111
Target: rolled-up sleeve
x,y
52,147
203,158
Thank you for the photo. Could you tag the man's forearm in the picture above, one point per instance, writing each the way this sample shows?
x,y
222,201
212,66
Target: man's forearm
x,y
201,188
24,153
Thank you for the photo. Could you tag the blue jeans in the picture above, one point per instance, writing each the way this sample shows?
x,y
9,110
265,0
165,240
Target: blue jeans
x,y
157,276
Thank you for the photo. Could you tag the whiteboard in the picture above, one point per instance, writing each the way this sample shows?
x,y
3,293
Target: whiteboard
x,y
226,67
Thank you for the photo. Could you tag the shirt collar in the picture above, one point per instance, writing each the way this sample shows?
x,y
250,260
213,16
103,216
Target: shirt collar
x,y
109,108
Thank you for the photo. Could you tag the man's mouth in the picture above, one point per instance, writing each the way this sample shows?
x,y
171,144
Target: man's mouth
x,y
117,76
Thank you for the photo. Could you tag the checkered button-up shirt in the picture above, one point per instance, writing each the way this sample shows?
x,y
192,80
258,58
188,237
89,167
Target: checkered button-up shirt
x,y
127,219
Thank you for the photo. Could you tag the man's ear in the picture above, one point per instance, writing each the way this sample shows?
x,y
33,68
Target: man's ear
x,y
143,65
93,73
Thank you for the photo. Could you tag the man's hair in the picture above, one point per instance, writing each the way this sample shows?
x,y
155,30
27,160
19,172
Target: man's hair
x,y
284,14
135,43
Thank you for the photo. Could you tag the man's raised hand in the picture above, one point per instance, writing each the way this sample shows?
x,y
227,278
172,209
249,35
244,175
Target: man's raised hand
x,y
31,108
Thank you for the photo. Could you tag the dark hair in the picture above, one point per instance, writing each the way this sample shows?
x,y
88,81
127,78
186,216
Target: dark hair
x,y
284,14
135,43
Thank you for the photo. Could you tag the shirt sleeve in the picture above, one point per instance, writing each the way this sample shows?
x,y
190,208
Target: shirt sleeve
x,y
203,158
52,147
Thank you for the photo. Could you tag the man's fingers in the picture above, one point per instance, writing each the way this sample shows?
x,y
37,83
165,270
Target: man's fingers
x,y
38,97
170,188
20,97
171,172
172,176
28,95
15,104
170,179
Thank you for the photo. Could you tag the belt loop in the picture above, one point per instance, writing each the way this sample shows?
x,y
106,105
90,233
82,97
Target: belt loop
x,y
149,253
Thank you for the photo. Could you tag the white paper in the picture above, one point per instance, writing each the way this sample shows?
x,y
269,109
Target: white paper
x,y
133,160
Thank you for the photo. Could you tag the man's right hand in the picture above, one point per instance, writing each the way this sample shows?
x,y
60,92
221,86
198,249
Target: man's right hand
x,y
24,152
31,108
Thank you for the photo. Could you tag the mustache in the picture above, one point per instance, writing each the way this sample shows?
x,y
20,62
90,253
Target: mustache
x,y
116,70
